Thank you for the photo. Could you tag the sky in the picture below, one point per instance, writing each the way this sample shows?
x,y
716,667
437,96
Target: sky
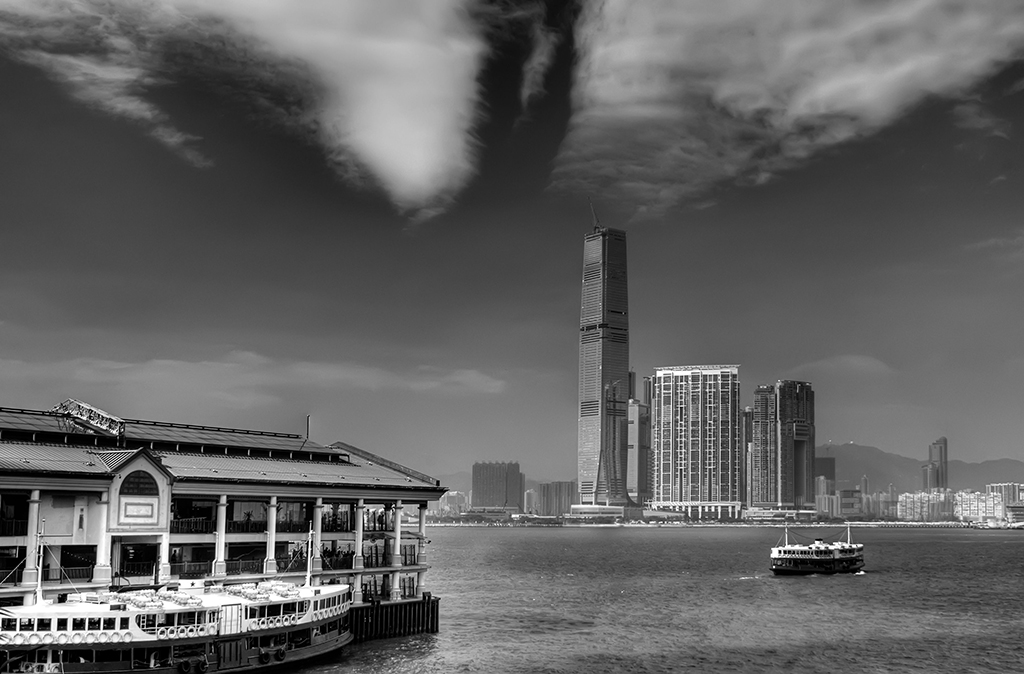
x,y
242,212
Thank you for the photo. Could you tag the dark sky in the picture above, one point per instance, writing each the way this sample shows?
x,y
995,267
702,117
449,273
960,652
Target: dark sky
x,y
239,214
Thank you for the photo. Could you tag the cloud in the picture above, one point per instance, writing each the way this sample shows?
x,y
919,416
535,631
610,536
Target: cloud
x,y
388,88
240,380
673,98
1007,248
843,367
971,116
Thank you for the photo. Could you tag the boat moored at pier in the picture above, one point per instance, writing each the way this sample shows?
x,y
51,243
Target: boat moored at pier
x,y
802,559
169,631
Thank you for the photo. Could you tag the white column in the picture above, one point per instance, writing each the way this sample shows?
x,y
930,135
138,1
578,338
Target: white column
x,y
30,576
396,552
101,574
318,530
270,563
220,567
357,560
165,557
421,550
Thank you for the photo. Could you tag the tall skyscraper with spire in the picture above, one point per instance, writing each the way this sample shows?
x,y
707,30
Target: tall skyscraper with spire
x,y
604,369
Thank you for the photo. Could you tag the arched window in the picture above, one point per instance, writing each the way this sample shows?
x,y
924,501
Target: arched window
x,y
140,483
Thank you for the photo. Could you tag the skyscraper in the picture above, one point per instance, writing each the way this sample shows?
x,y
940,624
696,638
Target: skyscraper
x,y
498,485
604,369
937,456
695,440
782,451
638,445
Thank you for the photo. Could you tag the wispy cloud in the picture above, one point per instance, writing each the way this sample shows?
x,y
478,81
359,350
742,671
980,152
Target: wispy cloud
x,y
970,115
240,380
388,88
672,98
1007,248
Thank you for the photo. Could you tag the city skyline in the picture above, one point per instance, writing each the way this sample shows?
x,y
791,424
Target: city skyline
x,y
371,213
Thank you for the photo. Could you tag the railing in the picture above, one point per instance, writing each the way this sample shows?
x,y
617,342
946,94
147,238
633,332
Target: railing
x,y
409,555
236,567
246,526
330,525
342,560
191,569
13,527
291,527
291,563
67,574
193,525
11,576
132,569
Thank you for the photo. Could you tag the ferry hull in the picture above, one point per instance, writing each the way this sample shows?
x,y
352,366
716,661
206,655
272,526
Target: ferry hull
x,y
823,569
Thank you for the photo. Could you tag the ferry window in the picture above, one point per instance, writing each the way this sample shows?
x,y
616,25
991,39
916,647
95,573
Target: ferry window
x,y
146,621
110,623
62,624
187,618
43,625
252,613
212,617
94,624
27,624
288,609
8,625
125,623
274,610
140,483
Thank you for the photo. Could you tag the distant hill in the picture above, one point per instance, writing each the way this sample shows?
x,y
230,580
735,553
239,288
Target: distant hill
x,y
854,461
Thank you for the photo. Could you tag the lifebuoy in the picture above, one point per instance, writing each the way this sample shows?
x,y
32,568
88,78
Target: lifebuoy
x,y
264,657
104,637
190,631
48,638
128,636
202,666
185,666
19,638
161,633
34,639
90,638
115,637
76,638
280,654
62,638
182,632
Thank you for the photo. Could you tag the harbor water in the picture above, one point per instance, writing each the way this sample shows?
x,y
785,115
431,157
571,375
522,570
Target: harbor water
x,y
701,599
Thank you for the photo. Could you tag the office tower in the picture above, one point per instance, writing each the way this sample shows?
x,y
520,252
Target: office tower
x,y
782,452
929,477
937,456
638,449
746,444
498,485
695,440
865,485
557,498
604,369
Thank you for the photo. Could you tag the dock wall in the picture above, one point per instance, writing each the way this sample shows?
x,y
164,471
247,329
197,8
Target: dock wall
x,y
381,620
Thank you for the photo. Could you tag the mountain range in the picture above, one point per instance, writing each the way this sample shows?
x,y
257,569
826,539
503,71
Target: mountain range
x,y
854,462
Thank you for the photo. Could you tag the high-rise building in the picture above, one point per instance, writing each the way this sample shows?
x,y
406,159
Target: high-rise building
x,y
937,455
604,370
498,485
695,440
638,443
782,448
557,498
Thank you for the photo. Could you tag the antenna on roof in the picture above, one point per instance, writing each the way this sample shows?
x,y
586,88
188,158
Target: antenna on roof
x,y
597,223
307,426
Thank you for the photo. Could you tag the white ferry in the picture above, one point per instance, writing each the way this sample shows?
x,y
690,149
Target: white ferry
x,y
797,559
172,631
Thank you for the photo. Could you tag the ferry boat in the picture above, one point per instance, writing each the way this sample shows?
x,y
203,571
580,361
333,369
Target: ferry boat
x,y
168,630
798,559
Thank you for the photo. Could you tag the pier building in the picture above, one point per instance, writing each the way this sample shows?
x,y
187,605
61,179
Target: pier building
x,y
91,502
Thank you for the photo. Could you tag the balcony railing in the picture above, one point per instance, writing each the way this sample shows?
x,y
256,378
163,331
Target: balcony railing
x,y
330,525
291,527
133,569
11,576
291,563
193,525
246,526
191,569
67,574
236,567
13,527
342,560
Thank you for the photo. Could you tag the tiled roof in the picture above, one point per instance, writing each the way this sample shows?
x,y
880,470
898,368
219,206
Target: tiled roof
x,y
35,458
250,469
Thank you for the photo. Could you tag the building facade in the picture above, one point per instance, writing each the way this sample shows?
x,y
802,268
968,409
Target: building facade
x,y
498,485
604,369
90,502
695,440
557,498
935,473
638,444
781,473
